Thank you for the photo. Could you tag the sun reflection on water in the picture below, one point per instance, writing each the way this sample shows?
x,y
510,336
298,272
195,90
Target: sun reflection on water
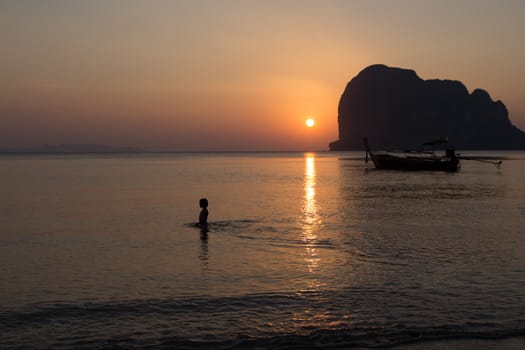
x,y
310,219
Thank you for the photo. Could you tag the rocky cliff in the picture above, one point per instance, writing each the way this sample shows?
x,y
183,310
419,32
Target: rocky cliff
x,y
396,109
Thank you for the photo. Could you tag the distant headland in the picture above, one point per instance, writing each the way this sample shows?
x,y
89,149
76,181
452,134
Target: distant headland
x,y
396,109
73,148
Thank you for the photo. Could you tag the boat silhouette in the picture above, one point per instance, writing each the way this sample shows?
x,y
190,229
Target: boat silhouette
x,y
415,160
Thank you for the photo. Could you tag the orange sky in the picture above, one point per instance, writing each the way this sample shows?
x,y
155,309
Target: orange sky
x,y
233,75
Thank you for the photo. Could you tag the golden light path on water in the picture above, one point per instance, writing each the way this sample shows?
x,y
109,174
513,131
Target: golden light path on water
x,y
310,220
311,223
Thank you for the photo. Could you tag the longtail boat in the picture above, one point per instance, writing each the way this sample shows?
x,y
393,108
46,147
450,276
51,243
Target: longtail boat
x,y
415,160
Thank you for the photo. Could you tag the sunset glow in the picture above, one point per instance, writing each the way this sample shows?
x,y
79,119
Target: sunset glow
x,y
322,174
158,75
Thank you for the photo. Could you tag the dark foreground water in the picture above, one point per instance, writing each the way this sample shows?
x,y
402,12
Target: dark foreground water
x,y
305,251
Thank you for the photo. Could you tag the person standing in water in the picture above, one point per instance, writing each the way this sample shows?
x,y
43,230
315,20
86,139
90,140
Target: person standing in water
x,y
203,216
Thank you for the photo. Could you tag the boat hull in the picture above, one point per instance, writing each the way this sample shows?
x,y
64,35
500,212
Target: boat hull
x,y
390,162
409,162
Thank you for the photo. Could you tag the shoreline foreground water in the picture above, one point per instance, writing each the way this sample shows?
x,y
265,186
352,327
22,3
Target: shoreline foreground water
x,y
313,250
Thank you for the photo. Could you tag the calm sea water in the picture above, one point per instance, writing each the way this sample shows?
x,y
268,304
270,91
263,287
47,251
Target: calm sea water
x,y
305,251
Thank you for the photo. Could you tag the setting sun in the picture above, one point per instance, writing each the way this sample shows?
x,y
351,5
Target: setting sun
x,y
310,122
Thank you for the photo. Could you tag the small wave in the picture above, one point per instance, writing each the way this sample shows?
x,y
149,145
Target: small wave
x,y
306,320
254,230
224,225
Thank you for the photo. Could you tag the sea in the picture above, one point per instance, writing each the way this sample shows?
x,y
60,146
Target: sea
x,y
304,251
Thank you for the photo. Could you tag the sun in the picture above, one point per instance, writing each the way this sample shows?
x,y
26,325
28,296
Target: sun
x,y
310,122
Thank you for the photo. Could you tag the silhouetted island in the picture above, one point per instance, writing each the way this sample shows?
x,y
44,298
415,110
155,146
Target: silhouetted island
x,y
73,148
396,109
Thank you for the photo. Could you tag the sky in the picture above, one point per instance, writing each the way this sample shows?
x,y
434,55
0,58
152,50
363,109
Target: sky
x,y
215,75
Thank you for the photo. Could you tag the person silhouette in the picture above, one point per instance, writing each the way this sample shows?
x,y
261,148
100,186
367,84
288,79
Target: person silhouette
x,y
203,216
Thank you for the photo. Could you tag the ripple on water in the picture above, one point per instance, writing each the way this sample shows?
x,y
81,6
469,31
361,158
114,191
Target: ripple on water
x,y
313,319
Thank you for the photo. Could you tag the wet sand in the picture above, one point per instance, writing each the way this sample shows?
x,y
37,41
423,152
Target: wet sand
x,y
515,343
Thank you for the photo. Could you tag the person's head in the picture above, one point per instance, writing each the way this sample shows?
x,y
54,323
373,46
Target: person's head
x,y
203,203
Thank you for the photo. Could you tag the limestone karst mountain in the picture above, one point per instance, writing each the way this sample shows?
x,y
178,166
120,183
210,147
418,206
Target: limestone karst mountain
x,y
396,109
